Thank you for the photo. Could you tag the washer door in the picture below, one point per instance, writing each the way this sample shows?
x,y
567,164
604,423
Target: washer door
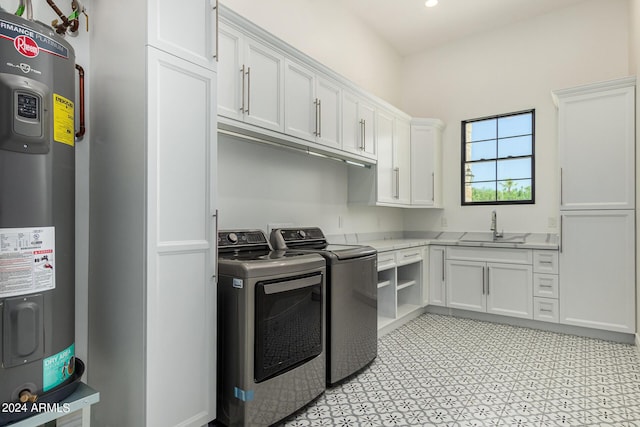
x,y
288,324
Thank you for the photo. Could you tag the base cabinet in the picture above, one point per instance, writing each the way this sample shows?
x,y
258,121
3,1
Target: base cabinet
x,y
510,290
466,285
399,284
437,283
597,270
504,288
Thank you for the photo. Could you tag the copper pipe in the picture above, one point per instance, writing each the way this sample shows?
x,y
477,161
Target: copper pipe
x,y
81,131
75,23
62,28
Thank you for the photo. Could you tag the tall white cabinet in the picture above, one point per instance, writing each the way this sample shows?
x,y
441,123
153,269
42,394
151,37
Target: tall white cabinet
x,y
152,297
426,162
596,139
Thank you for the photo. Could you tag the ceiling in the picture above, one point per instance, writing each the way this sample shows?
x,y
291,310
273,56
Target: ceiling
x,y
410,27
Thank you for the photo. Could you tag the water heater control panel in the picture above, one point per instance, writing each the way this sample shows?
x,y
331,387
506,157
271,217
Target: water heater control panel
x,y
23,107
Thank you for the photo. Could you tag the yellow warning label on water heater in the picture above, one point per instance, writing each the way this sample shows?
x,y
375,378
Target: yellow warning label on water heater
x,y
63,120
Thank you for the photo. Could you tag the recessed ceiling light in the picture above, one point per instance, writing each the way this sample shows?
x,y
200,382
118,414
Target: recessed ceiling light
x,y
431,3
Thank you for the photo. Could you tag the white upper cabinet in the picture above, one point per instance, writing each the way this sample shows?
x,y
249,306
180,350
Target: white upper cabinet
x,y
271,92
358,124
386,186
402,160
596,137
408,170
301,118
329,113
251,77
312,106
198,42
393,175
426,162
230,75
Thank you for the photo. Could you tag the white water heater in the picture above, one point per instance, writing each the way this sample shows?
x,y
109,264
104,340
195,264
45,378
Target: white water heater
x,y
37,209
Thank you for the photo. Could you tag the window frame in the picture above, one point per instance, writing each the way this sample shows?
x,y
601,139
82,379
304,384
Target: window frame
x,y
464,161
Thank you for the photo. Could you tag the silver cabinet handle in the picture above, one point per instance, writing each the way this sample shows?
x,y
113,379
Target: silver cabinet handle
x,y
217,42
248,90
488,279
364,134
561,223
442,266
315,104
320,118
561,195
216,215
362,145
433,186
243,90
396,172
483,278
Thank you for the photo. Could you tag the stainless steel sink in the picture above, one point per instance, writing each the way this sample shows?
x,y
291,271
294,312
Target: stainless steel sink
x,y
486,237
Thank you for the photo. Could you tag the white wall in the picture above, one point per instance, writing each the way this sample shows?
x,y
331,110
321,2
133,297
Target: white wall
x,y
509,69
329,33
261,185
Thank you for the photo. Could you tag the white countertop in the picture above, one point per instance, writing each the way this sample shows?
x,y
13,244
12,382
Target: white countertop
x,y
510,240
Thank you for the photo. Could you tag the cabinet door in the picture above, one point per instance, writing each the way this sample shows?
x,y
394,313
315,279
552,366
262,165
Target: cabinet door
x,y
264,68
402,160
597,270
180,291
195,44
425,165
597,149
510,290
350,124
437,289
301,114
230,95
385,168
329,113
466,284
367,114
358,126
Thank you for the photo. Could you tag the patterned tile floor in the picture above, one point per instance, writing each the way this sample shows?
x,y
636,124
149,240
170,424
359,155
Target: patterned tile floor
x,y
446,371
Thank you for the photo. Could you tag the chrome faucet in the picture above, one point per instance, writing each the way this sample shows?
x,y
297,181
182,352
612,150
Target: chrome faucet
x,y
494,225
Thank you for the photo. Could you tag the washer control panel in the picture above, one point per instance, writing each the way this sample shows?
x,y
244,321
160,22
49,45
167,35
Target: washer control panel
x,y
241,238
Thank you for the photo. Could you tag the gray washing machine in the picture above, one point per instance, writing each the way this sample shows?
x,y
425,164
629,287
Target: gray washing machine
x,y
271,320
352,298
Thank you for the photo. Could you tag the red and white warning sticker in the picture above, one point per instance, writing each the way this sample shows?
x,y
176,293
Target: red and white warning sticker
x,y
26,260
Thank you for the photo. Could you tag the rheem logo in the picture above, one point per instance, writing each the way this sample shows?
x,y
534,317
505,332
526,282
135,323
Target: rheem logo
x,y
26,46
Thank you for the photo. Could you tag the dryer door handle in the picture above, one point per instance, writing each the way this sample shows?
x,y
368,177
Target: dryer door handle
x,y
290,285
